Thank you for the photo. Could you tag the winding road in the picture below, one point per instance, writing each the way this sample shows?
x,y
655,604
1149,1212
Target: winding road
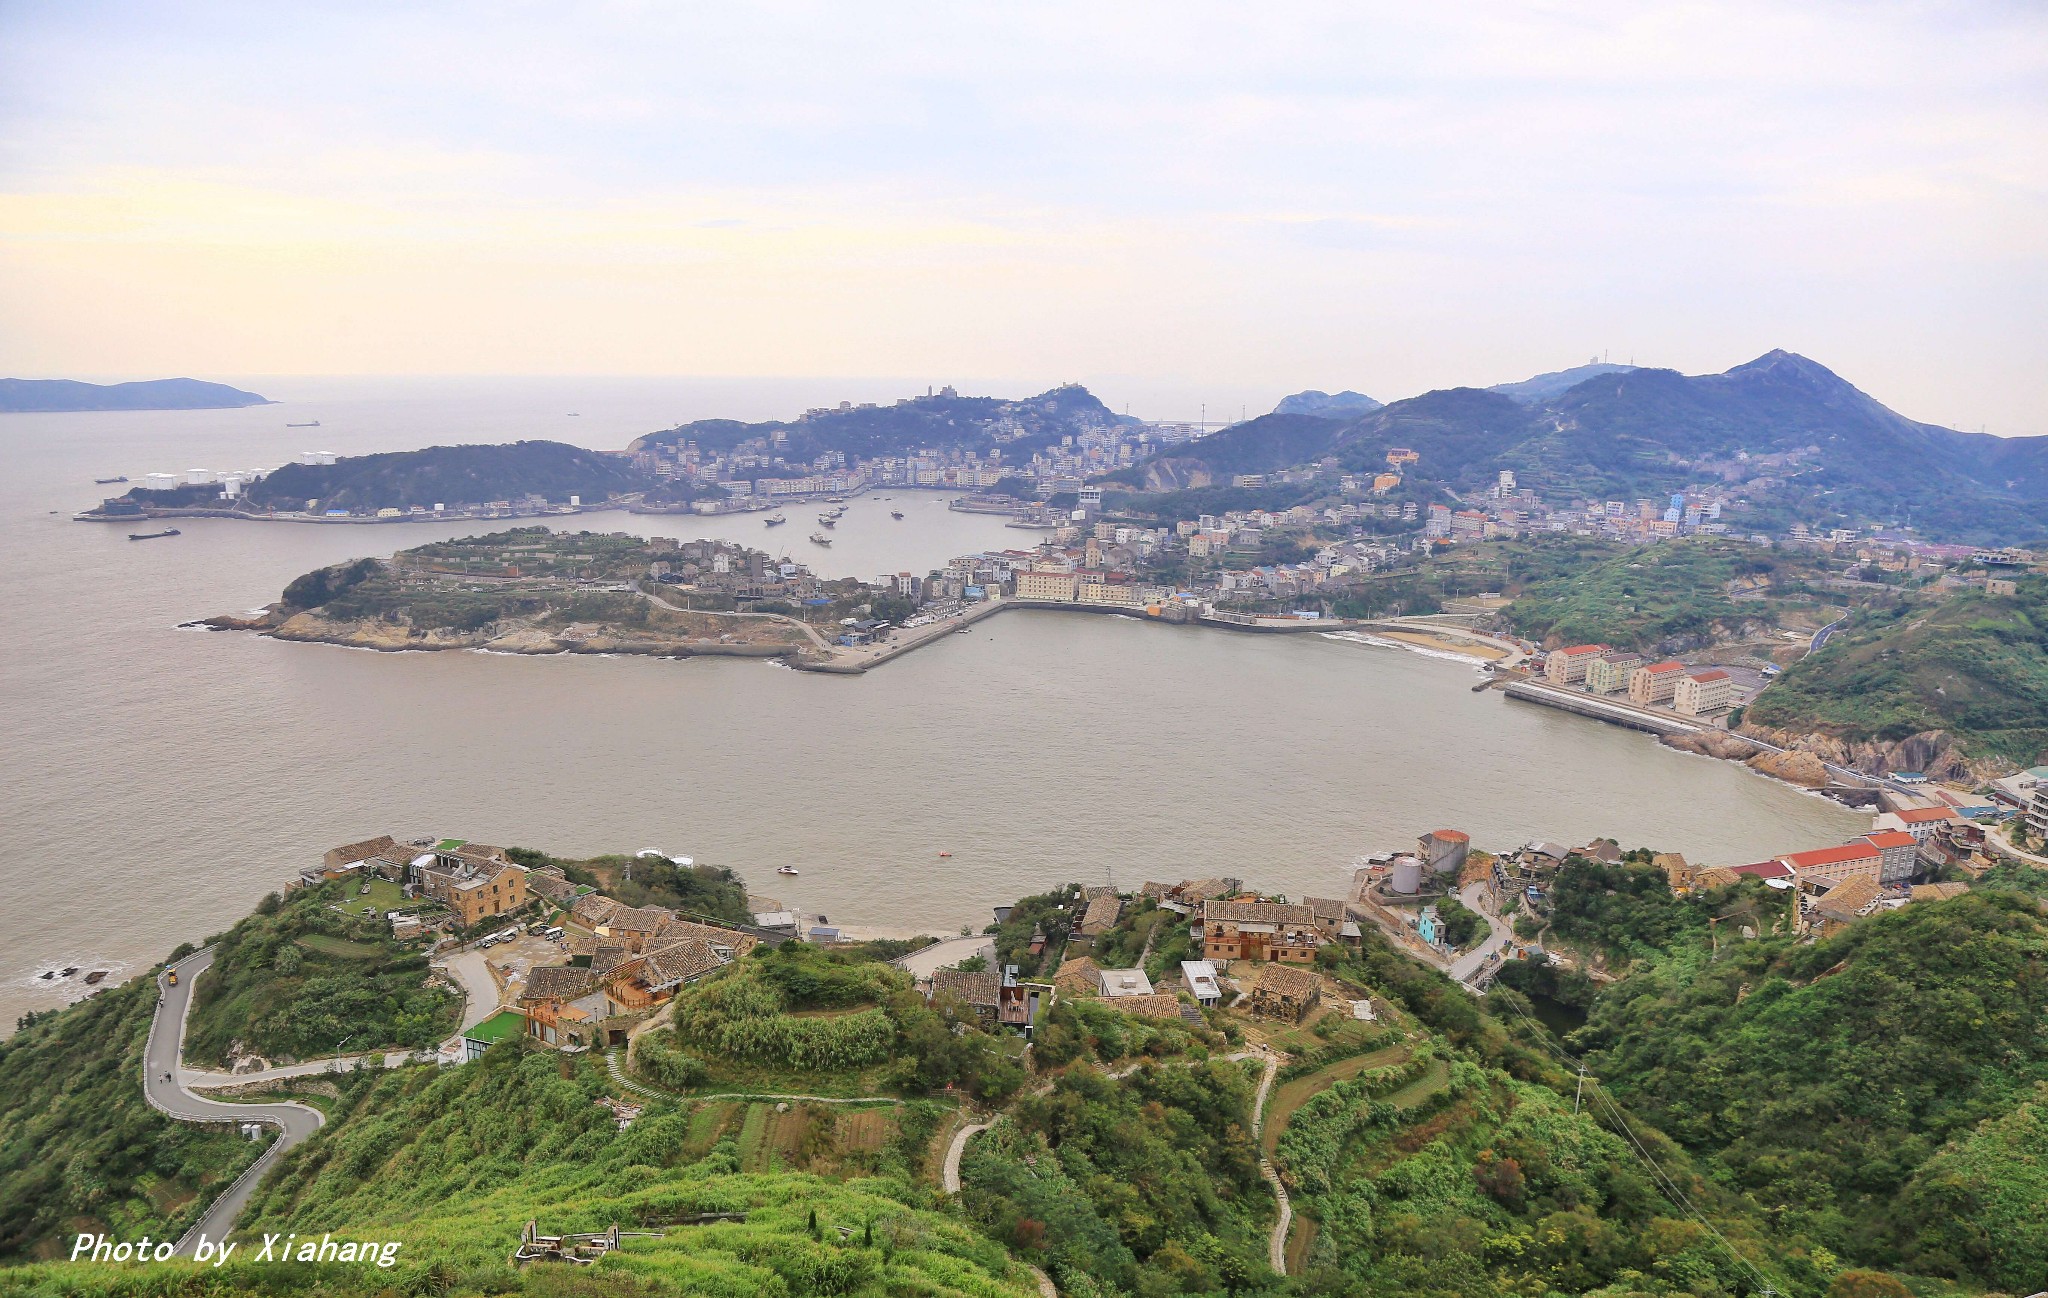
x,y
163,1085
1276,1247
1476,961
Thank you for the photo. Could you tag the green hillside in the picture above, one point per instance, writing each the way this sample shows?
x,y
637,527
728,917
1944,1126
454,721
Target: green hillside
x,y
1018,426
1974,666
297,978
1823,1081
450,475
80,1150
1642,597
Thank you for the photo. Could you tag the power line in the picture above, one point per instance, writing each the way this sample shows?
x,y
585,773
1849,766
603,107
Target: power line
x,y
1663,1179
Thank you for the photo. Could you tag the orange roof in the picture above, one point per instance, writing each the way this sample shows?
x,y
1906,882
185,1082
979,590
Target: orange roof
x,y
1451,835
1711,676
1578,649
1925,815
1830,855
1665,667
1890,838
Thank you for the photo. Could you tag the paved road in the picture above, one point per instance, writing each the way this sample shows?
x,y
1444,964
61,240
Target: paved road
x,y
951,1177
1473,962
1820,637
160,1061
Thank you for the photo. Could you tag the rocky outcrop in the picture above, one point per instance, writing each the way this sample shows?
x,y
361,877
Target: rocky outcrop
x,y
1800,768
1933,752
508,638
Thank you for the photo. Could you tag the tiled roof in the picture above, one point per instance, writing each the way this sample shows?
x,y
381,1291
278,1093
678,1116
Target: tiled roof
x,y
1103,910
1938,891
557,982
1285,980
1829,856
679,962
607,958
1711,676
1153,1005
1327,910
639,919
1891,838
593,908
1849,898
1078,975
1925,815
1665,666
1256,912
366,849
978,989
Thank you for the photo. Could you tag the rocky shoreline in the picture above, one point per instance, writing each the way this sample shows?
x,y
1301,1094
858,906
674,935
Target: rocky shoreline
x,y
1806,757
399,637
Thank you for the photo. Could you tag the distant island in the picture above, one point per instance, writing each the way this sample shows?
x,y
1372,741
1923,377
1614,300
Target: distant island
x,y
69,396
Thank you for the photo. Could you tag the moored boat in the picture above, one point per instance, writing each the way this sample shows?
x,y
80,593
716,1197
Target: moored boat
x,y
152,536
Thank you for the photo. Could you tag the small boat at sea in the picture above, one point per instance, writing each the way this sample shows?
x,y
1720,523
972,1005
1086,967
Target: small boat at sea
x,y
896,514
826,520
787,869
313,424
945,854
104,481
774,520
152,536
819,538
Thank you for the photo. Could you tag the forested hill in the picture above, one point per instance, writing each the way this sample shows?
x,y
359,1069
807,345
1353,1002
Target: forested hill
x,y
1796,439
1880,1093
65,395
911,424
1975,667
451,475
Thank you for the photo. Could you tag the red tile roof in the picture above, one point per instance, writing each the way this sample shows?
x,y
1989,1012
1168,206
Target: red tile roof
x,y
1925,815
1763,869
1890,838
1665,667
1451,835
1830,855
1578,649
1711,676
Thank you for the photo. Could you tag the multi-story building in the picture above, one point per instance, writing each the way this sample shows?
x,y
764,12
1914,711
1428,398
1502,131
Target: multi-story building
x,y
1609,673
1654,684
474,881
1827,866
1259,930
1568,666
1038,584
1703,693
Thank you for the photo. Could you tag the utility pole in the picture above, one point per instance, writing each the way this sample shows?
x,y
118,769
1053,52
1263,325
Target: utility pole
x,y
1580,1094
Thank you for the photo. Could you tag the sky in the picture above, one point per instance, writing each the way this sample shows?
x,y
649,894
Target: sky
x,y
1168,199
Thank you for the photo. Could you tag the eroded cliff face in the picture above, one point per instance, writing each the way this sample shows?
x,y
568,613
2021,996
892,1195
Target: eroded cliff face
x,y
514,638
1801,768
1934,752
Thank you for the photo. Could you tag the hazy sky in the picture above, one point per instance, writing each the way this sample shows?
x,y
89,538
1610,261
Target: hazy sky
x,y
1250,197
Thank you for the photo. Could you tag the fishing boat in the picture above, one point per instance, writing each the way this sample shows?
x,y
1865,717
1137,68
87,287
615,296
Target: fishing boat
x,y
312,424
104,481
152,536
774,520
787,869
945,854
826,520
896,514
819,538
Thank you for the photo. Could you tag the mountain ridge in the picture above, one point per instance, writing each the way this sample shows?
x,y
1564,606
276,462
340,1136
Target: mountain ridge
x,y
73,396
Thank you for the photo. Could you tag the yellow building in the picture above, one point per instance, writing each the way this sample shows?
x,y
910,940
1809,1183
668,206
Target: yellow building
x,y
1061,586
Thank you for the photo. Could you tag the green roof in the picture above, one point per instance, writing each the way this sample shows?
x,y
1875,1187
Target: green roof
x,y
505,1023
450,844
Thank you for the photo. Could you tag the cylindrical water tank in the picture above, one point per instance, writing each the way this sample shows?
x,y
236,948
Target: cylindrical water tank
x,y
1446,849
1407,875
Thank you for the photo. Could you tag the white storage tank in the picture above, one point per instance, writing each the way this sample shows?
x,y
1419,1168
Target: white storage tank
x,y
198,477
1446,849
160,482
1407,875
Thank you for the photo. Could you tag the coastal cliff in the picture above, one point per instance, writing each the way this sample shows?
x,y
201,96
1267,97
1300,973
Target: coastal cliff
x,y
1933,753
387,636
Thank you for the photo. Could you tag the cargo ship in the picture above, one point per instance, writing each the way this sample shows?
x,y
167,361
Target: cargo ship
x,y
152,536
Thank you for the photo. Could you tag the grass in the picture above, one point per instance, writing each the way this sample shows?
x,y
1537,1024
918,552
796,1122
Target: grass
x,y
1434,1078
340,947
383,895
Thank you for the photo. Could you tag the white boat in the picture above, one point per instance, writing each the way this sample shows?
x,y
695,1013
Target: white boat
x,y
787,869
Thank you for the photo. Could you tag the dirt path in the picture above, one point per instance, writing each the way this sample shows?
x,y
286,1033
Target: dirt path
x,y
1276,1247
798,623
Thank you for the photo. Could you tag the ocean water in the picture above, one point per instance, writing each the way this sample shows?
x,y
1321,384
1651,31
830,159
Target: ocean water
x,y
158,781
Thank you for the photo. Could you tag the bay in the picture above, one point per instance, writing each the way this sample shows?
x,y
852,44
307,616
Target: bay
x,y
158,781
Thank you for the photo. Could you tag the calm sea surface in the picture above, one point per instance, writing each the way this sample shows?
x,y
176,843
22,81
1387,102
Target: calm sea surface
x,y
157,781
